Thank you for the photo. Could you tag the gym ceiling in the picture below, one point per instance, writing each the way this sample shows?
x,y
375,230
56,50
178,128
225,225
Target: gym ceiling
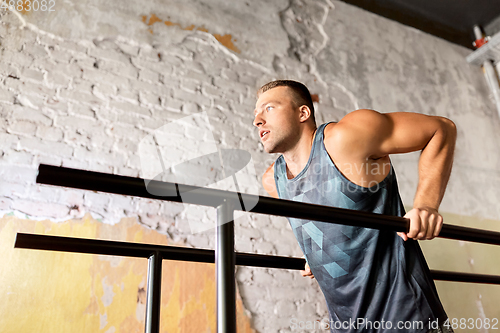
x,y
451,20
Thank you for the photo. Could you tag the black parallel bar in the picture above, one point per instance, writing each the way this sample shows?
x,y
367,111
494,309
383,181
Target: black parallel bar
x,y
96,181
113,248
126,249
91,246
154,293
465,277
224,267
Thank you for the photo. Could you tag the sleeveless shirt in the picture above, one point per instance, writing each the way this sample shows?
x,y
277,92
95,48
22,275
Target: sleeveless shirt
x,y
364,274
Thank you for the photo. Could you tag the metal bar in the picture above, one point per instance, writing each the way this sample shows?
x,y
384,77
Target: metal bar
x,y
113,248
154,293
224,267
91,246
96,181
465,277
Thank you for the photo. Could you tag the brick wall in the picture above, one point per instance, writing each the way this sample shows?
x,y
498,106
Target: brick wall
x,y
87,103
84,95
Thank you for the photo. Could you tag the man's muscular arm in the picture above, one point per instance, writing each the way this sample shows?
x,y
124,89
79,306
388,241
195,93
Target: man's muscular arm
x,y
366,135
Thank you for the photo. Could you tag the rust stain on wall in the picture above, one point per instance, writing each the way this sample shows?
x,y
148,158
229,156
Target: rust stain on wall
x,y
94,293
152,19
25,7
227,40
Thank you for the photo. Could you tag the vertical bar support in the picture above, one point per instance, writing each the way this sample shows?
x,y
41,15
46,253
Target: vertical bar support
x,y
153,301
225,265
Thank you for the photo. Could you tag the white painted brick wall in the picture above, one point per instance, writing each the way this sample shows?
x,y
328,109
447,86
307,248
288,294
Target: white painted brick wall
x,y
87,102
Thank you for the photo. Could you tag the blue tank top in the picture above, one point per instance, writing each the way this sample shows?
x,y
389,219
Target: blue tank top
x,y
363,273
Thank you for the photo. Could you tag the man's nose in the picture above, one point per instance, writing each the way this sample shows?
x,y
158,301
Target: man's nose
x,y
258,120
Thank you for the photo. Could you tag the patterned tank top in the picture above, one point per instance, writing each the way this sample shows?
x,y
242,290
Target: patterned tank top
x,y
366,275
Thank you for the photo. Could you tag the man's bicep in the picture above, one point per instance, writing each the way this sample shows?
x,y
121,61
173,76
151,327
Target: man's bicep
x,y
370,134
408,132
269,183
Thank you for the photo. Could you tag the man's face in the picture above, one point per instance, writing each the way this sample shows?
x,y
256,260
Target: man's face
x,y
277,119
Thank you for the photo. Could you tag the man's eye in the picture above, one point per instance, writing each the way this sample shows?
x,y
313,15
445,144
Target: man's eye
x,y
269,108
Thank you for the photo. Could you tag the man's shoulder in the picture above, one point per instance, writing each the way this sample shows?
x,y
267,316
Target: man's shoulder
x,y
351,121
329,129
351,134
268,181
349,144
333,135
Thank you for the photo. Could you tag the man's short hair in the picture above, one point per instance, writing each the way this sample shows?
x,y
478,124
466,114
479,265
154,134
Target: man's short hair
x,y
301,95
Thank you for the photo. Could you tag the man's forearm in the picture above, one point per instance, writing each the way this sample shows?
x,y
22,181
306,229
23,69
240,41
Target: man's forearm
x,y
435,165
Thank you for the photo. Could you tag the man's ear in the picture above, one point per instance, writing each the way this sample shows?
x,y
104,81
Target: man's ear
x,y
305,113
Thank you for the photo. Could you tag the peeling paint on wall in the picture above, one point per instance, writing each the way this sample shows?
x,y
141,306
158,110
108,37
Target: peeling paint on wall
x,y
226,40
45,291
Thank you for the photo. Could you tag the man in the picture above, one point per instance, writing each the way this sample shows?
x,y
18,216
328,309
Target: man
x,y
373,281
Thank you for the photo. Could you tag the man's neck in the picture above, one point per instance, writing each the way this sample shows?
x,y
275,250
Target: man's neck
x,y
296,158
